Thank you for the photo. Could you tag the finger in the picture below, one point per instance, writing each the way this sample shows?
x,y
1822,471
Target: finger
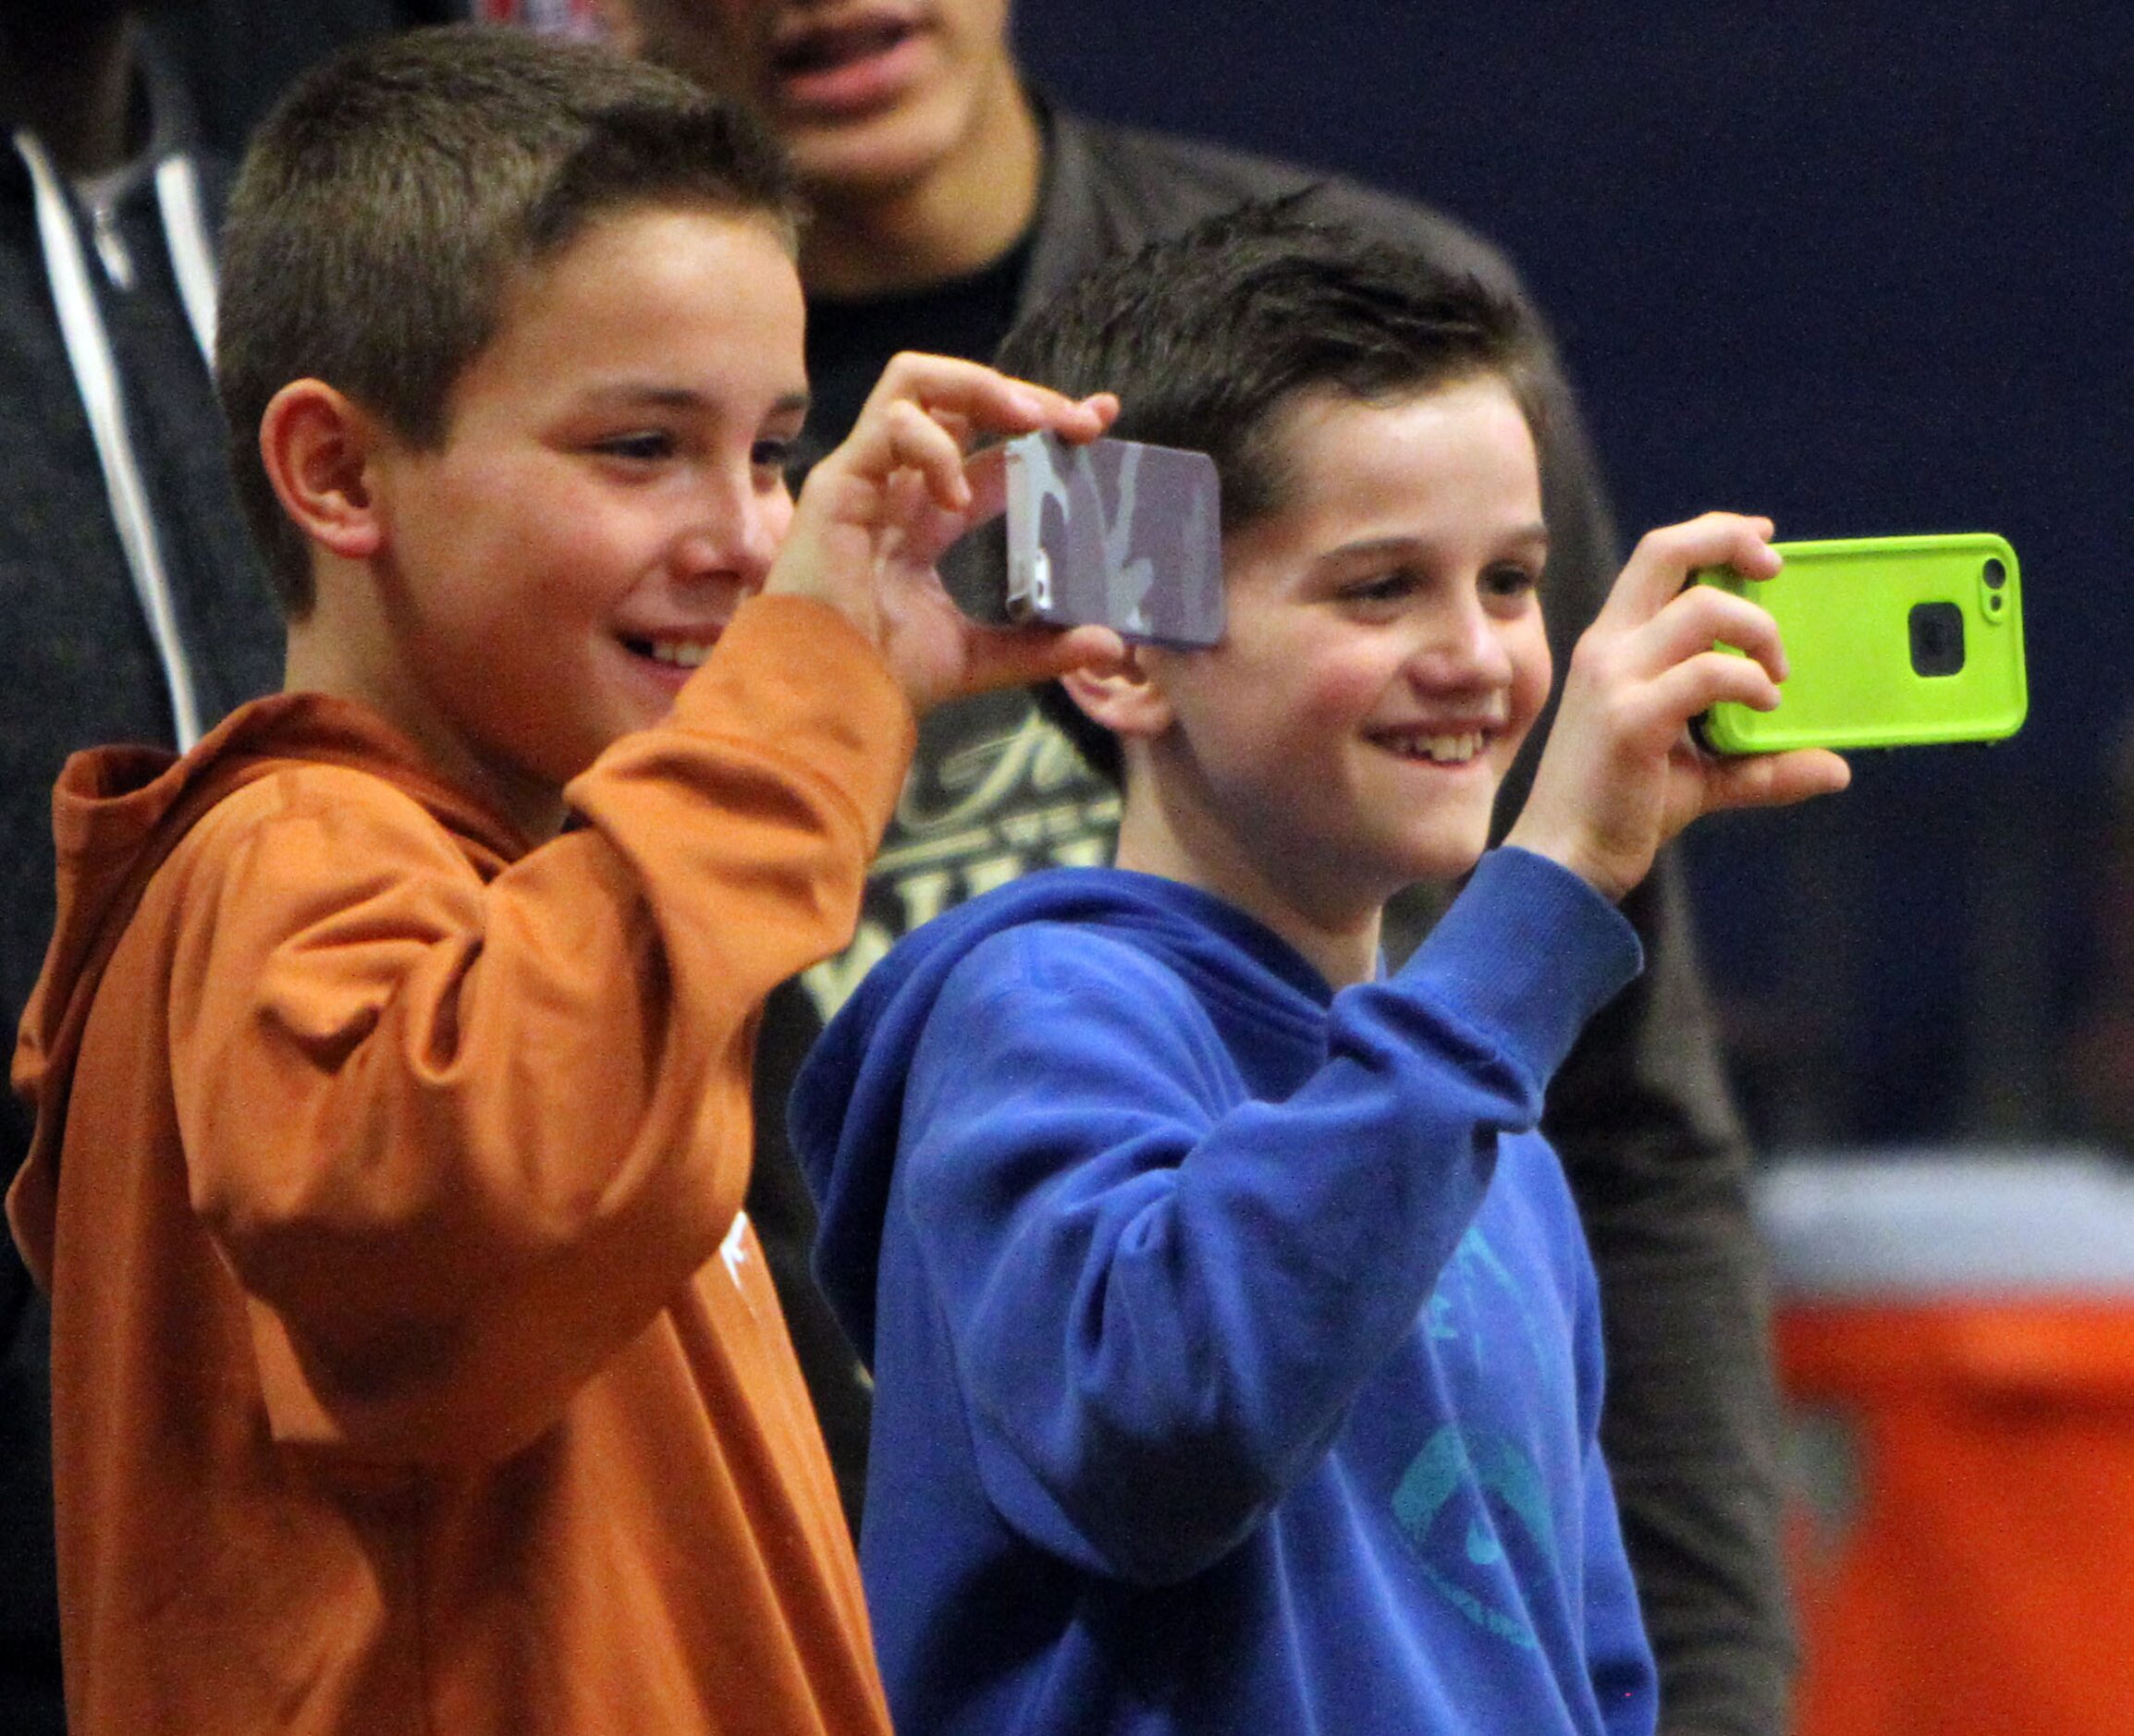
x,y
1664,560
1016,656
889,436
987,468
1773,780
911,519
1700,616
1668,701
1076,420
1097,650
1104,408
928,528
986,400
915,440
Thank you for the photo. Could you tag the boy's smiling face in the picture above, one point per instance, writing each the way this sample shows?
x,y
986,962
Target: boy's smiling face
x,y
611,485
1384,661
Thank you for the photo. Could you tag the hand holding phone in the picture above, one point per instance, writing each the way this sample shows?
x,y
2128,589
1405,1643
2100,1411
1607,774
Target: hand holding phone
x,y
1890,642
878,512
1618,775
1116,533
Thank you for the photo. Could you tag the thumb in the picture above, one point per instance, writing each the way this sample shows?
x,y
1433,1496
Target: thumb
x,y
1772,780
1018,657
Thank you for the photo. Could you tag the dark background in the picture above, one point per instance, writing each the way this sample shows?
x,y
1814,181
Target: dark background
x,y
1864,268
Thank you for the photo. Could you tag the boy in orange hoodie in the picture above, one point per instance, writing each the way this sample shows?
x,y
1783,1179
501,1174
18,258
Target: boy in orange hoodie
x,y
414,1367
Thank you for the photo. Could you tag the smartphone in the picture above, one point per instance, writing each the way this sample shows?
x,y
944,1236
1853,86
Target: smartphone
x,y
1118,533
1890,642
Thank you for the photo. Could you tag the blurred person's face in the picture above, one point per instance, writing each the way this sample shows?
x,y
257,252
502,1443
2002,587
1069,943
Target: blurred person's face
x,y
870,96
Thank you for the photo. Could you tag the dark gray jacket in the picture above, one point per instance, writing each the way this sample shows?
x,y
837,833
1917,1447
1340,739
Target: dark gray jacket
x,y
79,667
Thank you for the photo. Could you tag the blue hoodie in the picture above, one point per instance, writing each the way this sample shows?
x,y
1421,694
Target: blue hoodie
x,y
1236,1349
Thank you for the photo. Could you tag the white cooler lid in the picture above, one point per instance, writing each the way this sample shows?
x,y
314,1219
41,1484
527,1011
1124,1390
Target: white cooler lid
x,y
1994,1221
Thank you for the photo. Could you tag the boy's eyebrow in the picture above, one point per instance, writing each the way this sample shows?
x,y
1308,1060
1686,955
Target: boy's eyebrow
x,y
1536,532
661,397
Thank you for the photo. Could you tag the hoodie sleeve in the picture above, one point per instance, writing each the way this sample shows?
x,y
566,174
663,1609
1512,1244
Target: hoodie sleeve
x,y
462,1140
1161,1299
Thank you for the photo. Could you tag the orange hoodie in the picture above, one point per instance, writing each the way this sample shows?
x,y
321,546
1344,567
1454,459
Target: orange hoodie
x,y
412,1370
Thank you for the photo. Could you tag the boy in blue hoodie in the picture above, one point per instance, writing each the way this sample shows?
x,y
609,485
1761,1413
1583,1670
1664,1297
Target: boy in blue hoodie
x,y
1236,1349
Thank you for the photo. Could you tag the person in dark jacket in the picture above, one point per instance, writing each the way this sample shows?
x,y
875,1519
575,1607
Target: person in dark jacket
x,y
948,198
134,608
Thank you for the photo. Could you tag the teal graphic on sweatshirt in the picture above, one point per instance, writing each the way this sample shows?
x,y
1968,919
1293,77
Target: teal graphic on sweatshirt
x,y
1509,1498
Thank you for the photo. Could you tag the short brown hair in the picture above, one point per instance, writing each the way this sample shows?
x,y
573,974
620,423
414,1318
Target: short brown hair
x,y
392,196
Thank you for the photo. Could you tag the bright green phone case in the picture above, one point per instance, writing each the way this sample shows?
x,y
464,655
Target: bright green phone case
x,y
1868,625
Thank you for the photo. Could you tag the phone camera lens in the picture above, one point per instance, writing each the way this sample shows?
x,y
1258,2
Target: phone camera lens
x,y
1996,574
1937,635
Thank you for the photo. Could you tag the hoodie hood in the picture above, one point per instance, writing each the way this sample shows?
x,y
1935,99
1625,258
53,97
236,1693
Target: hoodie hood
x,y
117,814
848,1101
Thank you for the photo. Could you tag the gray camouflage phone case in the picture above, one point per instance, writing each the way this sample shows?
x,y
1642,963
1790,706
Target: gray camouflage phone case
x,y
1115,532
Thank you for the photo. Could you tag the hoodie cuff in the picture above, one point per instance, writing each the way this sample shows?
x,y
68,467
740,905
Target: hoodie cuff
x,y
1531,952
794,674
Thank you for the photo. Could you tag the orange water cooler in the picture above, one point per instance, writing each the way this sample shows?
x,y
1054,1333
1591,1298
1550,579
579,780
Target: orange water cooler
x,y
1956,1344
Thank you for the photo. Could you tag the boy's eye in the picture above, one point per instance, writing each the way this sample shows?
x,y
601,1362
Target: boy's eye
x,y
1379,588
771,455
1510,578
646,446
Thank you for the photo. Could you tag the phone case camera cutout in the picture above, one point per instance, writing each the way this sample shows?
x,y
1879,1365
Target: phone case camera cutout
x,y
1890,642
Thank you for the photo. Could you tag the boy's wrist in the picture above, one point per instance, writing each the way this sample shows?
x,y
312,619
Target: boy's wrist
x,y
1530,950
793,669
1606,877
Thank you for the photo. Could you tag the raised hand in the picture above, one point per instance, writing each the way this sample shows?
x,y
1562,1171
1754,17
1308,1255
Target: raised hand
x,y
876,514
1620,775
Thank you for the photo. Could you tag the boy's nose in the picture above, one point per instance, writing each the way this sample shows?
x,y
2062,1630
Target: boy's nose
x,y
736,536
1462,648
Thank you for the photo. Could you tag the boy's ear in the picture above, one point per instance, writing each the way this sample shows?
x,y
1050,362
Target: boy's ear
x,y
317,444
1128,702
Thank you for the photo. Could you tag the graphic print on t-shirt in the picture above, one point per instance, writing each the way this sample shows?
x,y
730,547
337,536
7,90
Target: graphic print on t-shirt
x,y
995,792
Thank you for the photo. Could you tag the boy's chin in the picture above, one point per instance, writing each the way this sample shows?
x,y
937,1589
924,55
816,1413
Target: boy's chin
x,y
872,156
1445,859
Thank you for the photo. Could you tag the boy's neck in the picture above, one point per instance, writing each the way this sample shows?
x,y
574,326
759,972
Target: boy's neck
x,y
328,653
955,220
1342,945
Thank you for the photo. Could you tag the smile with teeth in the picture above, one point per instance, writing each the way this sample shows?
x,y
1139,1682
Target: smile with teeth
x,y
1452,747
683,653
